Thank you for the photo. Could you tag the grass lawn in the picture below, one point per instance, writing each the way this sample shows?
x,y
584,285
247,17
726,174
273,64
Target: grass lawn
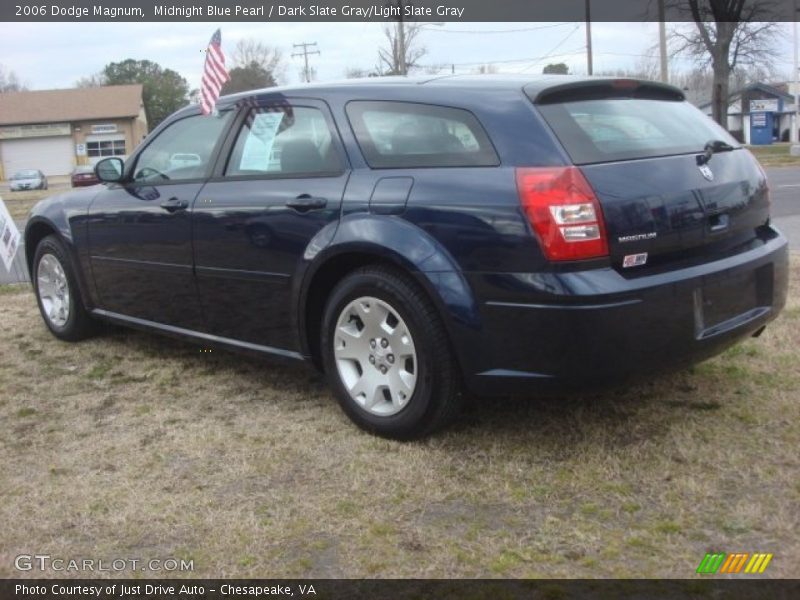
x,y
776,155
136,446
19,204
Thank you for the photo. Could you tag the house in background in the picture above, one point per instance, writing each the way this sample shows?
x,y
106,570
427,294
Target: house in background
x,y
758,113
54,130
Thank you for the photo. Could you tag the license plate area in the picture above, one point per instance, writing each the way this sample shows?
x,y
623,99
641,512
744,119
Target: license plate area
x,y
728,301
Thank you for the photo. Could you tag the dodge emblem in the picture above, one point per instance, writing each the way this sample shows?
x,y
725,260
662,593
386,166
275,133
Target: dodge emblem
x,y
707,172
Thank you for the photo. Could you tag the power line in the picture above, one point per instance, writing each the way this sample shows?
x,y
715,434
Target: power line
x,y
304,54
505,61
493,31
552,54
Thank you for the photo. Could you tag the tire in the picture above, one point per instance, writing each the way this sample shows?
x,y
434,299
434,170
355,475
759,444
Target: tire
x,y
57,292
420,389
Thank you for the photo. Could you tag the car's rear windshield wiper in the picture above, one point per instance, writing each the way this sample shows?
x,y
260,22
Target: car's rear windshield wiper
x,y
711,148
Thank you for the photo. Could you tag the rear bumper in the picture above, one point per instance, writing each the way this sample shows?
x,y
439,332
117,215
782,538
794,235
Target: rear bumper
x,y
547,331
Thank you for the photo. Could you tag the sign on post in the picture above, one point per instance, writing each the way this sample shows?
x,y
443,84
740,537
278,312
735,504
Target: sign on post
x,y
764,105
9,236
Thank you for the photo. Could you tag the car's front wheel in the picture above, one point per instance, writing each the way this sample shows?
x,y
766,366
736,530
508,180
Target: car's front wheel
x,y
387,356
57,292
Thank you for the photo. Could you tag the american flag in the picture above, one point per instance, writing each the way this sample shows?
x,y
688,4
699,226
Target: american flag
x,y
214,74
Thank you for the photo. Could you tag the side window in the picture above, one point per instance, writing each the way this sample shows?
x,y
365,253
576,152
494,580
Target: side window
x,y
405,134
284,141
182,151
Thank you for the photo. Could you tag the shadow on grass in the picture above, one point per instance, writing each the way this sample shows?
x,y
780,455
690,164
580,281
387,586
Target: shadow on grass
x,y
620,415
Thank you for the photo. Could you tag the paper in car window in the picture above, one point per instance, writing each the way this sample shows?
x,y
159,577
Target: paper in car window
x,y
259,141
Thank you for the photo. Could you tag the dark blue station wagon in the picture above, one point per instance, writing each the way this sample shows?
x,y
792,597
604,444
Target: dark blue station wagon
x,y
419,239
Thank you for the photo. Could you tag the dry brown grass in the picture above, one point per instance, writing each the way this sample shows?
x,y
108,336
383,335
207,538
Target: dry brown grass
x,y
136,446
775,155
19,204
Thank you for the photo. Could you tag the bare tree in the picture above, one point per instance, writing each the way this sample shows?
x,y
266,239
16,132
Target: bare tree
x,y
726,34
403,49
310,75
356,73
250,52
435,69
90,81
9,82
488,69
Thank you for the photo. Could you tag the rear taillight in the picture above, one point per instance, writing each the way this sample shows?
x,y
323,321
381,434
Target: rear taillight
x,y
764,177
563,211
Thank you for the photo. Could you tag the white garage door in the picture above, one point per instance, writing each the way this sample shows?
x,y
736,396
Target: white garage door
x,y
51,155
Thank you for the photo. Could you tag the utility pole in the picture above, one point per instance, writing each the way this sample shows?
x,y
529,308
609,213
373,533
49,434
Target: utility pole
x,y
590,67
662,41
305,52
401,40
795,148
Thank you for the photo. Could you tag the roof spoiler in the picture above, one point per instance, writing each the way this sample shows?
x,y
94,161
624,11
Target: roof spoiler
x,y
598,89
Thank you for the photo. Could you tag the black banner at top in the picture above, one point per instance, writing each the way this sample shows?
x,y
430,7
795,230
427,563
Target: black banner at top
x,y
389,10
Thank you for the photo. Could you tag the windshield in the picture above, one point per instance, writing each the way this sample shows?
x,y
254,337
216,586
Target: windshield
x,y
612,129
25,174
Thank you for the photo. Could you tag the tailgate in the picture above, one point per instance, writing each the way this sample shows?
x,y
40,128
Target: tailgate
x,y
667,208
642,148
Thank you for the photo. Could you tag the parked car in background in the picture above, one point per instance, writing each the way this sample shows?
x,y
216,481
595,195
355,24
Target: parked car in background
x,y
178,161
416,239
28,179
83,175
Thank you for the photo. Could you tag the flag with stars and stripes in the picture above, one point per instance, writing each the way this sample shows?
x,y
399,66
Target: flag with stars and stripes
x,y
214,74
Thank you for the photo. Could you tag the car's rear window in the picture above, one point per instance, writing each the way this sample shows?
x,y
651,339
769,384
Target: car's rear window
x,y
612,129
409,135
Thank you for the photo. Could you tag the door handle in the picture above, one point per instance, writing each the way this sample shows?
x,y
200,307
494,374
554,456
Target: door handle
x,y
174,205
718,222
306,202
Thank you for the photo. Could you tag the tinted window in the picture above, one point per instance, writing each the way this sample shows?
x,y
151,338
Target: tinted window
x,y
625,128
402,134
284,141
183,150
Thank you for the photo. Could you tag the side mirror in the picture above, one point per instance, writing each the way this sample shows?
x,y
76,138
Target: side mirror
x,y
109,169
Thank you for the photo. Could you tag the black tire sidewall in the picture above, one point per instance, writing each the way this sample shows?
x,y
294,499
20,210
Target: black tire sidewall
x,y
413,416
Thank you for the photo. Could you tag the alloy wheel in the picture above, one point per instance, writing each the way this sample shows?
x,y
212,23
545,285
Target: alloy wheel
x,y
375,356
53,289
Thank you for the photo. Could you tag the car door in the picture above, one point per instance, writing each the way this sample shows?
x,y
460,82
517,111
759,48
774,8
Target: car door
x,y
282,182
140,230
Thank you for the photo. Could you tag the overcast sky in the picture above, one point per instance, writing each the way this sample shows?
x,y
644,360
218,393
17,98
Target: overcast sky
x,y
55,55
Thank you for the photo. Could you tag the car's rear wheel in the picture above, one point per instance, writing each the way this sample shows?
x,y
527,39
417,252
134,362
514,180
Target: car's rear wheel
x,y
57,292
387,356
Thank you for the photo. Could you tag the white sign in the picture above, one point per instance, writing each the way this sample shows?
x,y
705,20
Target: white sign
x,y
9,236
258,145
28,131
80,149
104,128
764,105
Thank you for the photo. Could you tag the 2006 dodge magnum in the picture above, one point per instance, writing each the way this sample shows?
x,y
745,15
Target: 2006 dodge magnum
x,y
419,239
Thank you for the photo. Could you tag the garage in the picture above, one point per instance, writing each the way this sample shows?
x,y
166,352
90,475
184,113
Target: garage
x,y
51,155
54,130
